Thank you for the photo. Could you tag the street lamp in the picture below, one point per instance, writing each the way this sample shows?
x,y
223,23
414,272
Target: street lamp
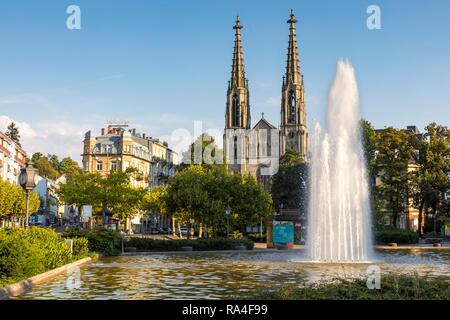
x,y
228,212
28,180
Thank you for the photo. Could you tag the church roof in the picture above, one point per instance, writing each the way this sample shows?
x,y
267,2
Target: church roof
x,y
263,123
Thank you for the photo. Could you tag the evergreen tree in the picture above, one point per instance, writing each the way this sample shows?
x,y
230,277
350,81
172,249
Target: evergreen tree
x,y
13,133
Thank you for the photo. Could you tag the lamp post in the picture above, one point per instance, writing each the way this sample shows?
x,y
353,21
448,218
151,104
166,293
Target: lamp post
x,y
28,180
228,212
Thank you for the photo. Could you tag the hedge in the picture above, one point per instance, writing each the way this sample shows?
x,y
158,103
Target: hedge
x,y
24,254
391,235
145,244
102,241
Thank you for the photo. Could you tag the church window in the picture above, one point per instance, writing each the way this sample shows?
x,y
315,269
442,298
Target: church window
x,y
235,111
292,107
235,149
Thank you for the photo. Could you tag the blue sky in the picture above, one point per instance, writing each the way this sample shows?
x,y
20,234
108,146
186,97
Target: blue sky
x,y
164,64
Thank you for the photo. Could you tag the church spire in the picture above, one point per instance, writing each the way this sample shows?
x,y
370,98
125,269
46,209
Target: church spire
x,y
293,65
237,72
293,130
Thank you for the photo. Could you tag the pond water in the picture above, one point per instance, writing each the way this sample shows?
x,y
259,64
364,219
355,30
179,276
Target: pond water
x,y
209,275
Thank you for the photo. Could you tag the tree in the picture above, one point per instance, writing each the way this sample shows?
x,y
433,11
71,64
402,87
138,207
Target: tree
x,y
155,200
13,201
46,169
51,168
290,183
203,194
119,196
82,189
36,157
369,141
69,167
13,133
395,154
113,192
203,151
54,161
432,180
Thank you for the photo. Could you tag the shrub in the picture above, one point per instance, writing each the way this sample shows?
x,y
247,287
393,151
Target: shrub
x,y
393,287
236,235
57,253
144,244
26,253
106,242
401,236
80,247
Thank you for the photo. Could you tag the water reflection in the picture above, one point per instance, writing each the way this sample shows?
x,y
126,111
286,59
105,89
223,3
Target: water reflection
x,y
222,275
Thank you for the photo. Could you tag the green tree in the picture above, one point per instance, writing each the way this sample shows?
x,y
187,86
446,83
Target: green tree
x,y
203,194
54,161
290,183
394,159
119,196
82,189
36,157
369,141
69,167
431,178
46,169
204,151
113,192
155,200
13,201
13,133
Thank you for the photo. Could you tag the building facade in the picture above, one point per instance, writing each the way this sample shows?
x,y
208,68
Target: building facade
x,y
118,148
12,159
257,150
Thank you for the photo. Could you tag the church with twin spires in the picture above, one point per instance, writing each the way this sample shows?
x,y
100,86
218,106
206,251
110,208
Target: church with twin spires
x,y
256,150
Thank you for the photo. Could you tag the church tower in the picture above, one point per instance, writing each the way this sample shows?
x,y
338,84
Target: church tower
x,y
293,130
237,114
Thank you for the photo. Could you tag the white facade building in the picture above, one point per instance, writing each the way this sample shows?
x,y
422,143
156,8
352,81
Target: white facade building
x,y
12,159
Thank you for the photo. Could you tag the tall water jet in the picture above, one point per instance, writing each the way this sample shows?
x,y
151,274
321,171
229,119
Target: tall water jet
x,y
339,214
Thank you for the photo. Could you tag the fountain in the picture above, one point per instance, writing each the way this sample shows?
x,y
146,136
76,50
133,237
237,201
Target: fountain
x,y
339,215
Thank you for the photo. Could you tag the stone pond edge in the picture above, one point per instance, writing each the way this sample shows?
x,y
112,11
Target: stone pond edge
x,y
18,288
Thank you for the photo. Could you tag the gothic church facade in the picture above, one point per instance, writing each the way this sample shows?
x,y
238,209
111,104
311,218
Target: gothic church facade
x,y
256,150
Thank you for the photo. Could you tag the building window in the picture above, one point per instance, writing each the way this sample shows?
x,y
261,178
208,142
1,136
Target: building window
x,y
99,166
114,166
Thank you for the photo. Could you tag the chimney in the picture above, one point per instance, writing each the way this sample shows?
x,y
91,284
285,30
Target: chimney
x,y
103,131
143,136
134,132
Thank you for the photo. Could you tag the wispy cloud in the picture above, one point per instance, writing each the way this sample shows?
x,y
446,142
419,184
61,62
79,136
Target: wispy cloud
x,y
63,138
9,101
